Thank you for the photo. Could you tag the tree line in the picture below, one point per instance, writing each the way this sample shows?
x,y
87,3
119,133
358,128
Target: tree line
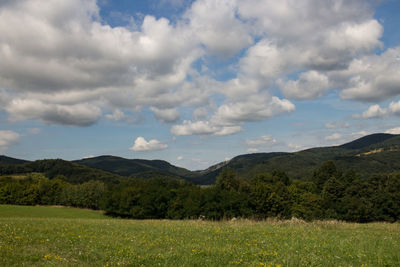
x,y
328,194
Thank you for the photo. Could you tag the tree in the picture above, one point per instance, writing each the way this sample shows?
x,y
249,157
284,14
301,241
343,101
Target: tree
x,y
326,171
227,180
332,194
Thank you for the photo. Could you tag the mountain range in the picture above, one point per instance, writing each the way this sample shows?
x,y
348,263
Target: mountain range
x,y
375,153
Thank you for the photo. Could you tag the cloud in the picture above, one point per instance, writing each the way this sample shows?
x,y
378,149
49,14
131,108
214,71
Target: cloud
x,y
229,117
341,138
8,138
252,150
34,131
201,162
117,115
264,61
395,130
142,145
228,130
62,64
295,147
372,78
263,141
200,113
310,85
394,108
310,35
170,115
254,108
336,125
216,24
30,109
203,128
121,116
63,49
334,137
376,111
179,158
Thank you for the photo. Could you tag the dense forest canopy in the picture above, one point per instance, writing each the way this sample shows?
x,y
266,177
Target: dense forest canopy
x,y
329,194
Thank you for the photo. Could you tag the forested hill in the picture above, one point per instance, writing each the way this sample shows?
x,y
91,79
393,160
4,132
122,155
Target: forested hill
x,y
60,169
353,182
139,168
4,160
367,141
376,153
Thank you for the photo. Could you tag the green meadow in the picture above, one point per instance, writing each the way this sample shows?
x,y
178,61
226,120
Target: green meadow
x,y
43,236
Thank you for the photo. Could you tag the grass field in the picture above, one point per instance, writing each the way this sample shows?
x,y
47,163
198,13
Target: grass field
x,y
35,236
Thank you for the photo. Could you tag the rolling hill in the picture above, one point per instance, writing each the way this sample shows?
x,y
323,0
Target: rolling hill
x,y
62,169
139,168
376,153
4,160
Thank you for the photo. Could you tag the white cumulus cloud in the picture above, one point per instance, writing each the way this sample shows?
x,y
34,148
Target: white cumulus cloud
x,y
254,108
376,111
142,145
310,85
216,24
63,64
372,78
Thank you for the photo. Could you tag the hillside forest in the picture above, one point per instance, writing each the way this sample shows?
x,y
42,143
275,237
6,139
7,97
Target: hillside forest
x,y
357,181
328,194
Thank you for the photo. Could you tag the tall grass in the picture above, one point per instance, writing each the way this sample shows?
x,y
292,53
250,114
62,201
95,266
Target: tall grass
x,y
46,240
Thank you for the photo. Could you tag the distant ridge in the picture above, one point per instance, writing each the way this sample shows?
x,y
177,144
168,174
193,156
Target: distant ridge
x,y
368,140
375,153
136,167
4,160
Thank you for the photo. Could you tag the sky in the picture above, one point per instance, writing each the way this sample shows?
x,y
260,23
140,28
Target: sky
x,y
194,82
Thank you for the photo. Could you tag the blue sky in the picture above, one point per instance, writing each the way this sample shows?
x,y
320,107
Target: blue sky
x,y
194,82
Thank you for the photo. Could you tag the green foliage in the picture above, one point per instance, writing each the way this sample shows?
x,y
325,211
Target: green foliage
x,y
269,197
305,203
227,180
330,195
63,170
36,189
